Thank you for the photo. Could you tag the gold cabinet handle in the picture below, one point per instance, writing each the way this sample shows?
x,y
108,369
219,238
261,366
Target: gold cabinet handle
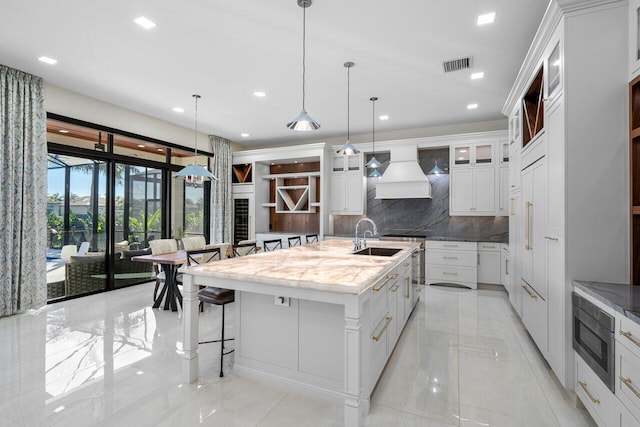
x,y
384,328
527,232
534,296
408,280
506,267
377,288
407,264
449,273
630,337
586,390
489,246
395,288
551,238
449,257
450,246
628,383
512,211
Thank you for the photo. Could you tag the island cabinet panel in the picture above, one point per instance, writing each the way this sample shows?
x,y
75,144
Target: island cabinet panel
x,y
321,338
269,332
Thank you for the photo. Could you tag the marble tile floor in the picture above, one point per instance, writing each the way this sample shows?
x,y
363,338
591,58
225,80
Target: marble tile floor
x,y
464,359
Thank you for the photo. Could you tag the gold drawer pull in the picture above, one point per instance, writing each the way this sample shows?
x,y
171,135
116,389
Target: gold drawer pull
x,y
628,383
449,274
384,328
407,264
555,239
450,246
629,336
376,289
449,257
488,246
584,387
534,296
395,288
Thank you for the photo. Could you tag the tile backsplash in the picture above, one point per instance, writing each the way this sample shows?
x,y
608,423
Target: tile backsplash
x,y
424,216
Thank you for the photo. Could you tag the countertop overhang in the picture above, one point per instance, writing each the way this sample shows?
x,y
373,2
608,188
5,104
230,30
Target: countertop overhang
x,y
621,297
328,266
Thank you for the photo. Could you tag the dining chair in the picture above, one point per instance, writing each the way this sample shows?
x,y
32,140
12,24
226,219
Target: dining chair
x,y
224,249
295,241
242,249
272,245
312,238
84,248
212,295
67,252
193,242
159,247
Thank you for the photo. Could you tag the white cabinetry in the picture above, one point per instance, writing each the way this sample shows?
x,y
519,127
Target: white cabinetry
x,y
451,262
634,39
558,180
347,185
504,266
473,191
489,255
503,192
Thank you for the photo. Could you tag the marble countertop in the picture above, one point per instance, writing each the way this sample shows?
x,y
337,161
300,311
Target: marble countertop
x,y
621,297
326,266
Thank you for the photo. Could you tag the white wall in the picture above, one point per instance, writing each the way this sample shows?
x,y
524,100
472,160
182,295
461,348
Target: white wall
x,y
72,104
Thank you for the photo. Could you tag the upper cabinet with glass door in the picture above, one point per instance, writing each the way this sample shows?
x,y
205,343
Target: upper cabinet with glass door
x,y
634,39
473,154
554,73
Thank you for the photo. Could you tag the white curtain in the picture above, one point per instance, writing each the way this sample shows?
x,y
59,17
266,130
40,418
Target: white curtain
x,y
23,193
222,210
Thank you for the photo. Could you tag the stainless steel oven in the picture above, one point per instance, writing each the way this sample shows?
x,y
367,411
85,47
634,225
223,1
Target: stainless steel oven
x,y
594,338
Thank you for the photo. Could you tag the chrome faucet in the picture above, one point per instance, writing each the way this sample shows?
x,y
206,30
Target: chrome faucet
x,y
356,242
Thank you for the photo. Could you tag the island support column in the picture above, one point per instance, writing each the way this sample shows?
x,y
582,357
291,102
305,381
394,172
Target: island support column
x,y
355,407
190,326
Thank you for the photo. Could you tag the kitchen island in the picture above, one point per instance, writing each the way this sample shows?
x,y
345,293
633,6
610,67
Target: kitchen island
x,y
314,318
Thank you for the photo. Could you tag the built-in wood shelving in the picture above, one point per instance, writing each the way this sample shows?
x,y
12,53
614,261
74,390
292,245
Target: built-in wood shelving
x,y
533,109
242,174
634,178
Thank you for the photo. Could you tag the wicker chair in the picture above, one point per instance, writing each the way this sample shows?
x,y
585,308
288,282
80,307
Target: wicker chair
x,y
85,274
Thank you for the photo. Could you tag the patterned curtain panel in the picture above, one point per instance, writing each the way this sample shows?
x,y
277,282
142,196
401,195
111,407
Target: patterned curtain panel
x,y
23,193
221,190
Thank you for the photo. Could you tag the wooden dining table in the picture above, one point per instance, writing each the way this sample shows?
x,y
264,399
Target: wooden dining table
x,y
170,263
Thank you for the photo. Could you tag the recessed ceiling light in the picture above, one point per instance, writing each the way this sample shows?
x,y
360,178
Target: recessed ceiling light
x,y
472,106
476,76
145,23
463,151
159,149
486,18
295,161
384,117
140,145
48,60
556,63
260,94
244,135
178,109
63,131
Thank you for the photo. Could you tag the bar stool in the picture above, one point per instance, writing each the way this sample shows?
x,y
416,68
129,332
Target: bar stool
x,y
312,238
211,295
295,241
242,249
272,245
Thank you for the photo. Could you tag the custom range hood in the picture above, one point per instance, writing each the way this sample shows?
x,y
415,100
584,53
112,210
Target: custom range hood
x,y
403,179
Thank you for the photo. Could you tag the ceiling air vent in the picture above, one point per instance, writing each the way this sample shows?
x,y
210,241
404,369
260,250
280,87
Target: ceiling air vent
x,y
457,64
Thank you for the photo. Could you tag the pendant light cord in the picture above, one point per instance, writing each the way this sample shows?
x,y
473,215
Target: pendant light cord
x,y
373,137
304,50
348,90
196,128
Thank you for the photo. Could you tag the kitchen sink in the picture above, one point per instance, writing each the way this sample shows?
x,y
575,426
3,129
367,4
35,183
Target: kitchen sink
x,y
377,251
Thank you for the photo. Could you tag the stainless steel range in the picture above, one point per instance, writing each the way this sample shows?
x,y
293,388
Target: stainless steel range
x,y
418,261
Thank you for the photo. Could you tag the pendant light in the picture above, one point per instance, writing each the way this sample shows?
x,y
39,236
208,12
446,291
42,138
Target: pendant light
x,y
436,170
303,122
375,174
373,163
348,148
194,174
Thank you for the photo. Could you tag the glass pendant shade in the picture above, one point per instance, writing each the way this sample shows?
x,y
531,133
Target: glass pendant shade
x,y
375,174
436,170
348,149
194,175
373,163
303,123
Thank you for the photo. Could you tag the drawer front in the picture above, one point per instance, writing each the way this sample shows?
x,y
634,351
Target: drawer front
x,y
535,317
379,296
626,419
463,259
379,346
451,274
465,246
490,247
628,334
595,396
628,379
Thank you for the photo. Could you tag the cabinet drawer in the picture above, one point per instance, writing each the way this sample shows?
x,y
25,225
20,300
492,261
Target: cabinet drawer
x,y
451,274
628,334
379,296
379,349
489,247
595,396
535,316
628,379
463,259
465,246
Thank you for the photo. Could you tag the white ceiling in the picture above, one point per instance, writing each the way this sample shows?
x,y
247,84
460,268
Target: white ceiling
x,y
227,49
